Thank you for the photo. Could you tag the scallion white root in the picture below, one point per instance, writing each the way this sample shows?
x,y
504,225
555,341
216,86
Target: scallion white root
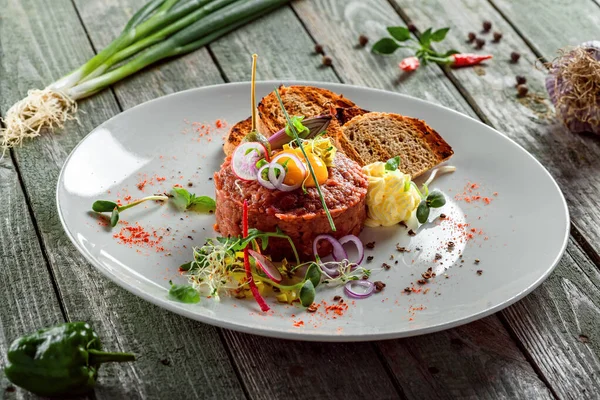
x,y
39,110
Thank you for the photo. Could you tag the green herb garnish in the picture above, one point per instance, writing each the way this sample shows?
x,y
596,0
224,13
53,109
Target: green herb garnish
x,y
308,163
184,293
101,206
435,199
189,201
296,123
401,38
392,164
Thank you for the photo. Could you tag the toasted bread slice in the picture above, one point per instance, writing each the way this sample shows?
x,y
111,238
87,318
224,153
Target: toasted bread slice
x,y
377,136
298,100
236,134
345,114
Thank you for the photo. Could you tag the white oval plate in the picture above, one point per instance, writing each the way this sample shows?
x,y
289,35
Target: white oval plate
x,y
519,237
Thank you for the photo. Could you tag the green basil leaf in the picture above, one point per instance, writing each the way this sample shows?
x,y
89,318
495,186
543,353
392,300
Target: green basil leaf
x,y
202,204
307,293
297,123
104,206
313,273
425,38
392,164
400,33
181,197
439,35
184,293
385,46
114,217
436,199
422,212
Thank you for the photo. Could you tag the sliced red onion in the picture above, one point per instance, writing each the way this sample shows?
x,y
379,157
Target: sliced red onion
x,y
244,158
264,182
338,251
267,266
368,285
359,246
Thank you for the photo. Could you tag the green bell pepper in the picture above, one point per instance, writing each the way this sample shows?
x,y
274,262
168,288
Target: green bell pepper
x,y
61,360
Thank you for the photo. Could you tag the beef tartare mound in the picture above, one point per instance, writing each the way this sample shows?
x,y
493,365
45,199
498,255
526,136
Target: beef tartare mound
x,y
298,214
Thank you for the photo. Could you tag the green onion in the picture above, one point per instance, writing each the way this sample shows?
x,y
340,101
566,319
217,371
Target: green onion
x,y
159,30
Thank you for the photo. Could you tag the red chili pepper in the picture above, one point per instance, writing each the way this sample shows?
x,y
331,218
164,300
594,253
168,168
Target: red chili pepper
x,y
466,60
409,64
259,299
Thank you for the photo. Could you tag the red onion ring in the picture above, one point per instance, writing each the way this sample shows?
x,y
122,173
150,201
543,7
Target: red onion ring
x,y
359,246
267,266
338,251
370,286
264,182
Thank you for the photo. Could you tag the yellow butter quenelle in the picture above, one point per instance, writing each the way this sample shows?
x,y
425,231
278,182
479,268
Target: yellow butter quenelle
x,y
390,196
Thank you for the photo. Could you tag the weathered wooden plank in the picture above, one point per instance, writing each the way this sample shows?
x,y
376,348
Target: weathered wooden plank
x,y
337,25
40,43
552,24
27,299
564,154
559,325
560,25
286,366
184,74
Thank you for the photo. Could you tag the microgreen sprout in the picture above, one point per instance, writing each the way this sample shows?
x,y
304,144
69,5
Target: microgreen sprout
x,y
101,206
308,163
181,197
189,201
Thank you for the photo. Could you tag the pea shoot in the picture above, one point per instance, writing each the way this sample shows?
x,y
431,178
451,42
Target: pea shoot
x,y
180,197
101,206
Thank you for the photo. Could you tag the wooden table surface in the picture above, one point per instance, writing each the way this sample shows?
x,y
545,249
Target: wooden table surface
x,y
545,346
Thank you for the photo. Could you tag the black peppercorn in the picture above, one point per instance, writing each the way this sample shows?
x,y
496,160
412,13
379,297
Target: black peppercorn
x,y
319,49
497,36
472,37
521,80
327,61
411,27
514,56
522,90
487,25
363,40
479,43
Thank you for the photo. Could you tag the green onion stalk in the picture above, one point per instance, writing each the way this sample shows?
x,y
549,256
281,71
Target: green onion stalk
x,y
160,29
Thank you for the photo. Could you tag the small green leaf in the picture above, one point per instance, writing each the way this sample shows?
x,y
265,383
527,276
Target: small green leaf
x,y
181,197
104,206
307,293
439,35
313,273
400,33
297,122
422,212
114,217
187,266
202,204
392,164
184,293
436,199
260,163
385,46
425,38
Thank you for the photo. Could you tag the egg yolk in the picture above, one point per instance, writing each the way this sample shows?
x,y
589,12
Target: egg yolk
x,y
295,175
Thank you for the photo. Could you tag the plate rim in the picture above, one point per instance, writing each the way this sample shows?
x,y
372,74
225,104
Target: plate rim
x,y
308,336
